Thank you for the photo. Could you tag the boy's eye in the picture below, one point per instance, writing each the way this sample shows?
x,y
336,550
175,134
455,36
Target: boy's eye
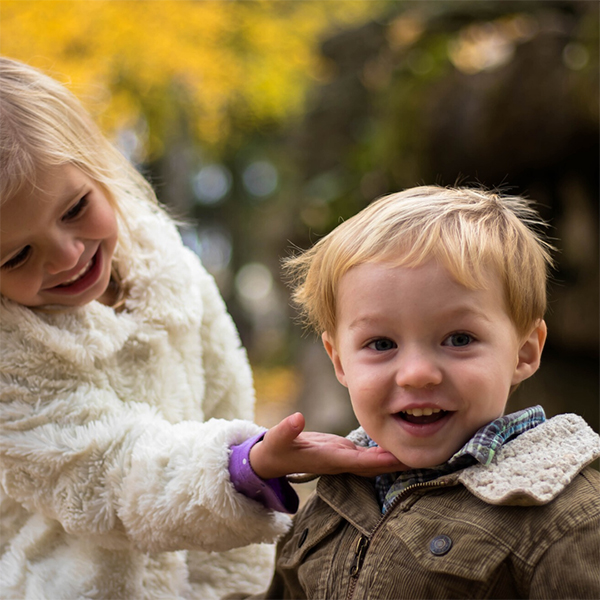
x,y
75,210
458,339
18,259
382,345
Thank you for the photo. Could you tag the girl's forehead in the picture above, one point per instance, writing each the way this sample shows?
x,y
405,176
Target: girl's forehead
x,y
21,172
53,182
54,189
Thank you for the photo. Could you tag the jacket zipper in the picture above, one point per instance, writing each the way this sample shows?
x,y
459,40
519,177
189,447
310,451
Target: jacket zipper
x,y
363,541
359,555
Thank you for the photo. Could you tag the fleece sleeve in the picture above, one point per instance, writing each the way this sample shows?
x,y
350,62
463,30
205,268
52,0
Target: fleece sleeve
x,y
228,388
121,474
119,427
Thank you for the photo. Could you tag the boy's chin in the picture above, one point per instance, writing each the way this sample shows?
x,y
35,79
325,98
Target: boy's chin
x,y
424,465
413,461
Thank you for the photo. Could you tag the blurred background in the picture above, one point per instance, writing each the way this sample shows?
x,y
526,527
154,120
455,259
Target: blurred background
x,y
262,124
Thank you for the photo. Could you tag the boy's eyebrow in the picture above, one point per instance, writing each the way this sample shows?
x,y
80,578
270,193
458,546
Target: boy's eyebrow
x,y
468,311
364,320
459,311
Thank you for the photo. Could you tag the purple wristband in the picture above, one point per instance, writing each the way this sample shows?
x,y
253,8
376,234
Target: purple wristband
x,y
276,494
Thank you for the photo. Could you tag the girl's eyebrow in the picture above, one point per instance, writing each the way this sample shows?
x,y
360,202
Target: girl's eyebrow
x,y
74,196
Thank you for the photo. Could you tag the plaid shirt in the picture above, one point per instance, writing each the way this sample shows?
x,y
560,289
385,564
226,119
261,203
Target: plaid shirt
x,y
480,448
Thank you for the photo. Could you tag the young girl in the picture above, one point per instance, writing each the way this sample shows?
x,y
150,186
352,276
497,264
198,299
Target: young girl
x,y
123,383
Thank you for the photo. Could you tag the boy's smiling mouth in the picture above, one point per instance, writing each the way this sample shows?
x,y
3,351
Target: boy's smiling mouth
x,y
422,416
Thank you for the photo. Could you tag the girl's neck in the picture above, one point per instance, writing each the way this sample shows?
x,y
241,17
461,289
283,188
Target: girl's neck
x,y
113,295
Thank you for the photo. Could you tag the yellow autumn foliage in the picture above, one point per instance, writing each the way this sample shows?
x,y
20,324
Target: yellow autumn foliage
x,y
141,57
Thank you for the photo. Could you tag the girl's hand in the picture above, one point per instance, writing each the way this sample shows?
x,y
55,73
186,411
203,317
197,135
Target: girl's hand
x,y
285,450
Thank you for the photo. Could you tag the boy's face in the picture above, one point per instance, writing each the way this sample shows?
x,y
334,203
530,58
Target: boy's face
x,y
57,241
426,360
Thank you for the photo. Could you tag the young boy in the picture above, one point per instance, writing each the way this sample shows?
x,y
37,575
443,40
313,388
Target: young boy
x,y
430,303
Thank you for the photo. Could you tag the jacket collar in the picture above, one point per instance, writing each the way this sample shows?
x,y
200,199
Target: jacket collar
x,y
353,498
532,469
536,466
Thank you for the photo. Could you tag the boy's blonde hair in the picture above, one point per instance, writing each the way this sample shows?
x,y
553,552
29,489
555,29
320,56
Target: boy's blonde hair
x,y
43,125
470,231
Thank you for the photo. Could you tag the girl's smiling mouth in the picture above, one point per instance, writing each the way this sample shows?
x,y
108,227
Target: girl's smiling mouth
x,y
84,279
81,273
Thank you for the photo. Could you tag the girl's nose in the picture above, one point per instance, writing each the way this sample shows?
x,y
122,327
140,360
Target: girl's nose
x,y
417,369
63,253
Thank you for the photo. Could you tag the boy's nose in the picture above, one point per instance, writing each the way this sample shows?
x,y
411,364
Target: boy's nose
x,y
63,254
417,369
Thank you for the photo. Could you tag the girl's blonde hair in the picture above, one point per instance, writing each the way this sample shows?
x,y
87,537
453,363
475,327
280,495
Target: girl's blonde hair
x,y
43,125
470,231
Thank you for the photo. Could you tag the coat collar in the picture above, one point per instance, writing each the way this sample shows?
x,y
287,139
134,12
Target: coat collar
x,y
353,498
532,469
536,466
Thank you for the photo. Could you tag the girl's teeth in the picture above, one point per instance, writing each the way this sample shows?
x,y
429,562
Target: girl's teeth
x,y
80,274
420,412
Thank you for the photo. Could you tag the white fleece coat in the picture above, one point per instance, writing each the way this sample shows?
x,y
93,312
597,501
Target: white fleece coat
x,y
115,436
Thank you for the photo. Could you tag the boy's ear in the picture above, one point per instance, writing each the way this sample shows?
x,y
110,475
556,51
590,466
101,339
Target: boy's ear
x,y
530,353
328,342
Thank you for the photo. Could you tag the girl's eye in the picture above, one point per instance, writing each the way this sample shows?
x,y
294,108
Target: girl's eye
x,y
382,345
18,259
74,211
458,339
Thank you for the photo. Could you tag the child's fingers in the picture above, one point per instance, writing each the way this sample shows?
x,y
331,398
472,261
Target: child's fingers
x,y
386,462
368,462
382,462
285,432
269,458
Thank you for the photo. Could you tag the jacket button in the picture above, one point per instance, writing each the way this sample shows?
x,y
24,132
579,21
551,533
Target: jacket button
x,y
440,545
302,538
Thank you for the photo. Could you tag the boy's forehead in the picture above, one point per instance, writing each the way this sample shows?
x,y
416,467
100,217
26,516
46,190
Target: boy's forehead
x,y
486,277
359,281
471,276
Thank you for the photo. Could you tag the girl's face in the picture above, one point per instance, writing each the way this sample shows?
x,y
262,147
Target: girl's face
x,y
57,241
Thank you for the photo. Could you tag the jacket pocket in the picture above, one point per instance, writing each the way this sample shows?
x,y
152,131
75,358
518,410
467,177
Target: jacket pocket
x,y
306,554
315,523
451,546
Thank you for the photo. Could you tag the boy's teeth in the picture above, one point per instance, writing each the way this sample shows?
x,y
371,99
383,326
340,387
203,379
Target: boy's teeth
x,y
420,412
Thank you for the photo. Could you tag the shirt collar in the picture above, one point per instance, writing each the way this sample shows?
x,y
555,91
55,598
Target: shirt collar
x,y
484,444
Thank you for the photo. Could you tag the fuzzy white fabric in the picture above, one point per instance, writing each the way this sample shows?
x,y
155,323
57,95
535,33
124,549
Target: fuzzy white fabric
x,y
115,435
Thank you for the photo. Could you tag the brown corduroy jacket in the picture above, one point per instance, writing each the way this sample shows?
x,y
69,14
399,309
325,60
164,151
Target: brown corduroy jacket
x,y
526,526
